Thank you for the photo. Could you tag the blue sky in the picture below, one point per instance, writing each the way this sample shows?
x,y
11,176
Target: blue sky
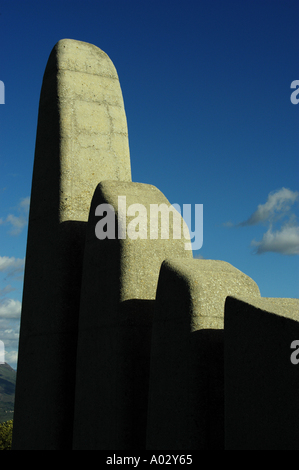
x,y
206,86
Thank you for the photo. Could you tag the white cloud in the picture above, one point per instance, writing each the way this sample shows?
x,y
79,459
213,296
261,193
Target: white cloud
x,y
9,335
12,266
18,222
10,313
9,332
10,308
6,290
12,358
25,203
277,206
284,241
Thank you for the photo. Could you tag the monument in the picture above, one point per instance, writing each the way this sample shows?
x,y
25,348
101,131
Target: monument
x,y
82,138
119,283
126,341
187,353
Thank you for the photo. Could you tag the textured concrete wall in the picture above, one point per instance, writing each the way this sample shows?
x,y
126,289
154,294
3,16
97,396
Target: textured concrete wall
x,y
186,395
81,139
118,292
261,383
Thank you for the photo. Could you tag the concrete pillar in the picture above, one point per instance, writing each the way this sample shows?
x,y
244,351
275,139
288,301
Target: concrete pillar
x,y
81,139
117,298
186,394
261,381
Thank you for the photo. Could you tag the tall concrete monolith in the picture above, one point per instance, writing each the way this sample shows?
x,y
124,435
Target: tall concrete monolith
x,y
81,139
186,392
118,292
261,378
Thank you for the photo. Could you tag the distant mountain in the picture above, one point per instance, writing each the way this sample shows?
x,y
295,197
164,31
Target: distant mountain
x,y
7,392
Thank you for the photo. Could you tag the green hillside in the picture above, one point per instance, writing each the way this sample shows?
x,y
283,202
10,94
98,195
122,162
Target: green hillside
x,y
7,392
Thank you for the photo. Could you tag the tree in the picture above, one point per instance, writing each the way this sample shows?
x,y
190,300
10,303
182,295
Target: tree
x,y
6,435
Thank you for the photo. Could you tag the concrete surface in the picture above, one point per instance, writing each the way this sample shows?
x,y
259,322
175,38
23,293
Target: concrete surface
x,y
118,293
261,383
81,139
186,396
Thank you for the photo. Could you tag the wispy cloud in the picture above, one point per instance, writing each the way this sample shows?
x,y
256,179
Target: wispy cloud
x,y
6,290
10,311
13,267
198,256
12,358
25,203
10,308
17,222
228,224
277,206
283,239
